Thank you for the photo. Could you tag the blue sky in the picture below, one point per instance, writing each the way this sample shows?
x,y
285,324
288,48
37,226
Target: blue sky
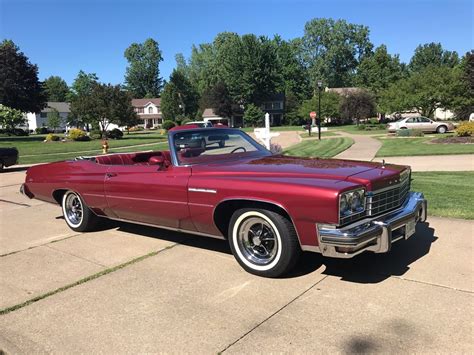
x,y
64,36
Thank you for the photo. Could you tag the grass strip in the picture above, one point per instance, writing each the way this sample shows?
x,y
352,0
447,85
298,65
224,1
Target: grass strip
x,y
325,148
83,280
449,193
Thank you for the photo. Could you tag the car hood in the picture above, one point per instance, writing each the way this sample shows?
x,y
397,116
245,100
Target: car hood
x,y
374,175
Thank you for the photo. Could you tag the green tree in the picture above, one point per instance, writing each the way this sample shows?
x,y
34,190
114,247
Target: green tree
x,y
330,103
461,92
79,97
202,67
432,54
10,117
56,89
295,80
424,91
19,85
219,99
358,105
179,98
378,70
332,50
104,104
54,119
142,78
253,115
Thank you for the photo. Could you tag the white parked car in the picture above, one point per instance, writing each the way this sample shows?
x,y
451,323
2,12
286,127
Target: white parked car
x,y
421,123
202,124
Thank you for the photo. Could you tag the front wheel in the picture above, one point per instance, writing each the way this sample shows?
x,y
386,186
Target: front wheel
x,y
263,242
76,213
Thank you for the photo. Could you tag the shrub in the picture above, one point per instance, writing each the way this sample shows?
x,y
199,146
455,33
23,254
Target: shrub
x,y
465,129
168,125
276,148
41,130
374,121
361,127
115,134
95,134
184,121
410,133
78,135
52,138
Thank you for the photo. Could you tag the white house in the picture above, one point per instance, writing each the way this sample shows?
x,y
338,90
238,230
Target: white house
x,y
37,120
149,111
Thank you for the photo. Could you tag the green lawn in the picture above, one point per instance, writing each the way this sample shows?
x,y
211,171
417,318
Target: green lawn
x,y
32,149
353,129
325,148
400,146
275,128
449,194
315,134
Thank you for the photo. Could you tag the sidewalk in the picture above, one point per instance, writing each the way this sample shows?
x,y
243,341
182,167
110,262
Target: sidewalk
x,y
364,147
462,162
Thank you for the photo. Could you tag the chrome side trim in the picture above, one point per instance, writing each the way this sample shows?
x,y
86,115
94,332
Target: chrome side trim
x,y
180,230
196,189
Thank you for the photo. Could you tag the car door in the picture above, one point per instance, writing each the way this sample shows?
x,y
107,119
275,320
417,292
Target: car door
x,y
149,194
410,123
426,124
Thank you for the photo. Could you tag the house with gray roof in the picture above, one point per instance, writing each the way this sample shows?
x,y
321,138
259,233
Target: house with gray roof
x,y
38,120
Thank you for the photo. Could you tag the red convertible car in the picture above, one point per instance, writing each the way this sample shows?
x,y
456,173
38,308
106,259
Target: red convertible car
x,y
269,207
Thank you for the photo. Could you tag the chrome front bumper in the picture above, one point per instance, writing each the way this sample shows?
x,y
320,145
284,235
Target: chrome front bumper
x,y
373,234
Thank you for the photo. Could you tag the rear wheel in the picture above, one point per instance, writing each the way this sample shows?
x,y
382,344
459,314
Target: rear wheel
x,y
441,129
263,242
76,213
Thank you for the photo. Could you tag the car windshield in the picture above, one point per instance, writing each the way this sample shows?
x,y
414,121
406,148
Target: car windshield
x,y
200,146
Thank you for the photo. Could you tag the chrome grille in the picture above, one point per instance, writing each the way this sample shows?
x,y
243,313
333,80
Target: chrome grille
x,y
389,198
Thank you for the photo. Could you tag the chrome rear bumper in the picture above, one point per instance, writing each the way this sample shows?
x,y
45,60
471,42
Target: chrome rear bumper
x,y
373,234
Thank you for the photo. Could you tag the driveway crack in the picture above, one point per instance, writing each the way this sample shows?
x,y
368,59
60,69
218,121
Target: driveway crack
x,y
273,314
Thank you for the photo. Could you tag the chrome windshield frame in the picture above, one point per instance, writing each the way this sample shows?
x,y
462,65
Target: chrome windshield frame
x,y
173,151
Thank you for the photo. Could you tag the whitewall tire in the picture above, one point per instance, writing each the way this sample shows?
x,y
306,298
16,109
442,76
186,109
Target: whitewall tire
x,y
263,242
76,213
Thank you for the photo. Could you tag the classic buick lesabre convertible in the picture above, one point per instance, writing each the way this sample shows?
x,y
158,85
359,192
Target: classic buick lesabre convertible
x,y
269,207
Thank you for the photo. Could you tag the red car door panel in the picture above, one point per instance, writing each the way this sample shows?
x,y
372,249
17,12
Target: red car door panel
x,y
144,193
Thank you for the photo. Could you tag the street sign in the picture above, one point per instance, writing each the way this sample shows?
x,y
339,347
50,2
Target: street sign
x,y
312,114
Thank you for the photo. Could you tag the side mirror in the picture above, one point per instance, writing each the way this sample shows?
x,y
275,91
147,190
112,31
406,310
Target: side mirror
x,y
156,160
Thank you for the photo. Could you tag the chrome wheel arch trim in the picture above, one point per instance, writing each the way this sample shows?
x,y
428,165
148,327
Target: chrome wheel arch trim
x,y
257,200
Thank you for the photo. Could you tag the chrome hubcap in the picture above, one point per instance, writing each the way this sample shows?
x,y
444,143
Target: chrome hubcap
x,y
257,241
73,208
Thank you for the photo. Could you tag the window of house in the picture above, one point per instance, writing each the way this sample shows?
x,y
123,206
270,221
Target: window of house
x,y
141,110
43,114
277,105
150,109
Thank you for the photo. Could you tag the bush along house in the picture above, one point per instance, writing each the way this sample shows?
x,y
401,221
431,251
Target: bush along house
x,y
149,111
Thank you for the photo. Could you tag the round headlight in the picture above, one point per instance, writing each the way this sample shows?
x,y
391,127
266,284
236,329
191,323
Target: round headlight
x,y
343,205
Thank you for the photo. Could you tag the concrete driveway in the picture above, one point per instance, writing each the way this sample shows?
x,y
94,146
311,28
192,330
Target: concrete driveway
x,y
135,289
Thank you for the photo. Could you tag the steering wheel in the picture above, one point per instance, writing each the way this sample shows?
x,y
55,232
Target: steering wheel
x,y
236,149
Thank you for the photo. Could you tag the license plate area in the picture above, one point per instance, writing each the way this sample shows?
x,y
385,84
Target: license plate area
x,y
405,231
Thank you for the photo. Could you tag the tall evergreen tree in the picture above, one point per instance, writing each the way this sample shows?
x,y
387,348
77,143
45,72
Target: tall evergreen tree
x,y
142,78
56,89
19,85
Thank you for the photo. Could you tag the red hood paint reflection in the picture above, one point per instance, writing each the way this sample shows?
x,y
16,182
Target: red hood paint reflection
x,y
298,167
